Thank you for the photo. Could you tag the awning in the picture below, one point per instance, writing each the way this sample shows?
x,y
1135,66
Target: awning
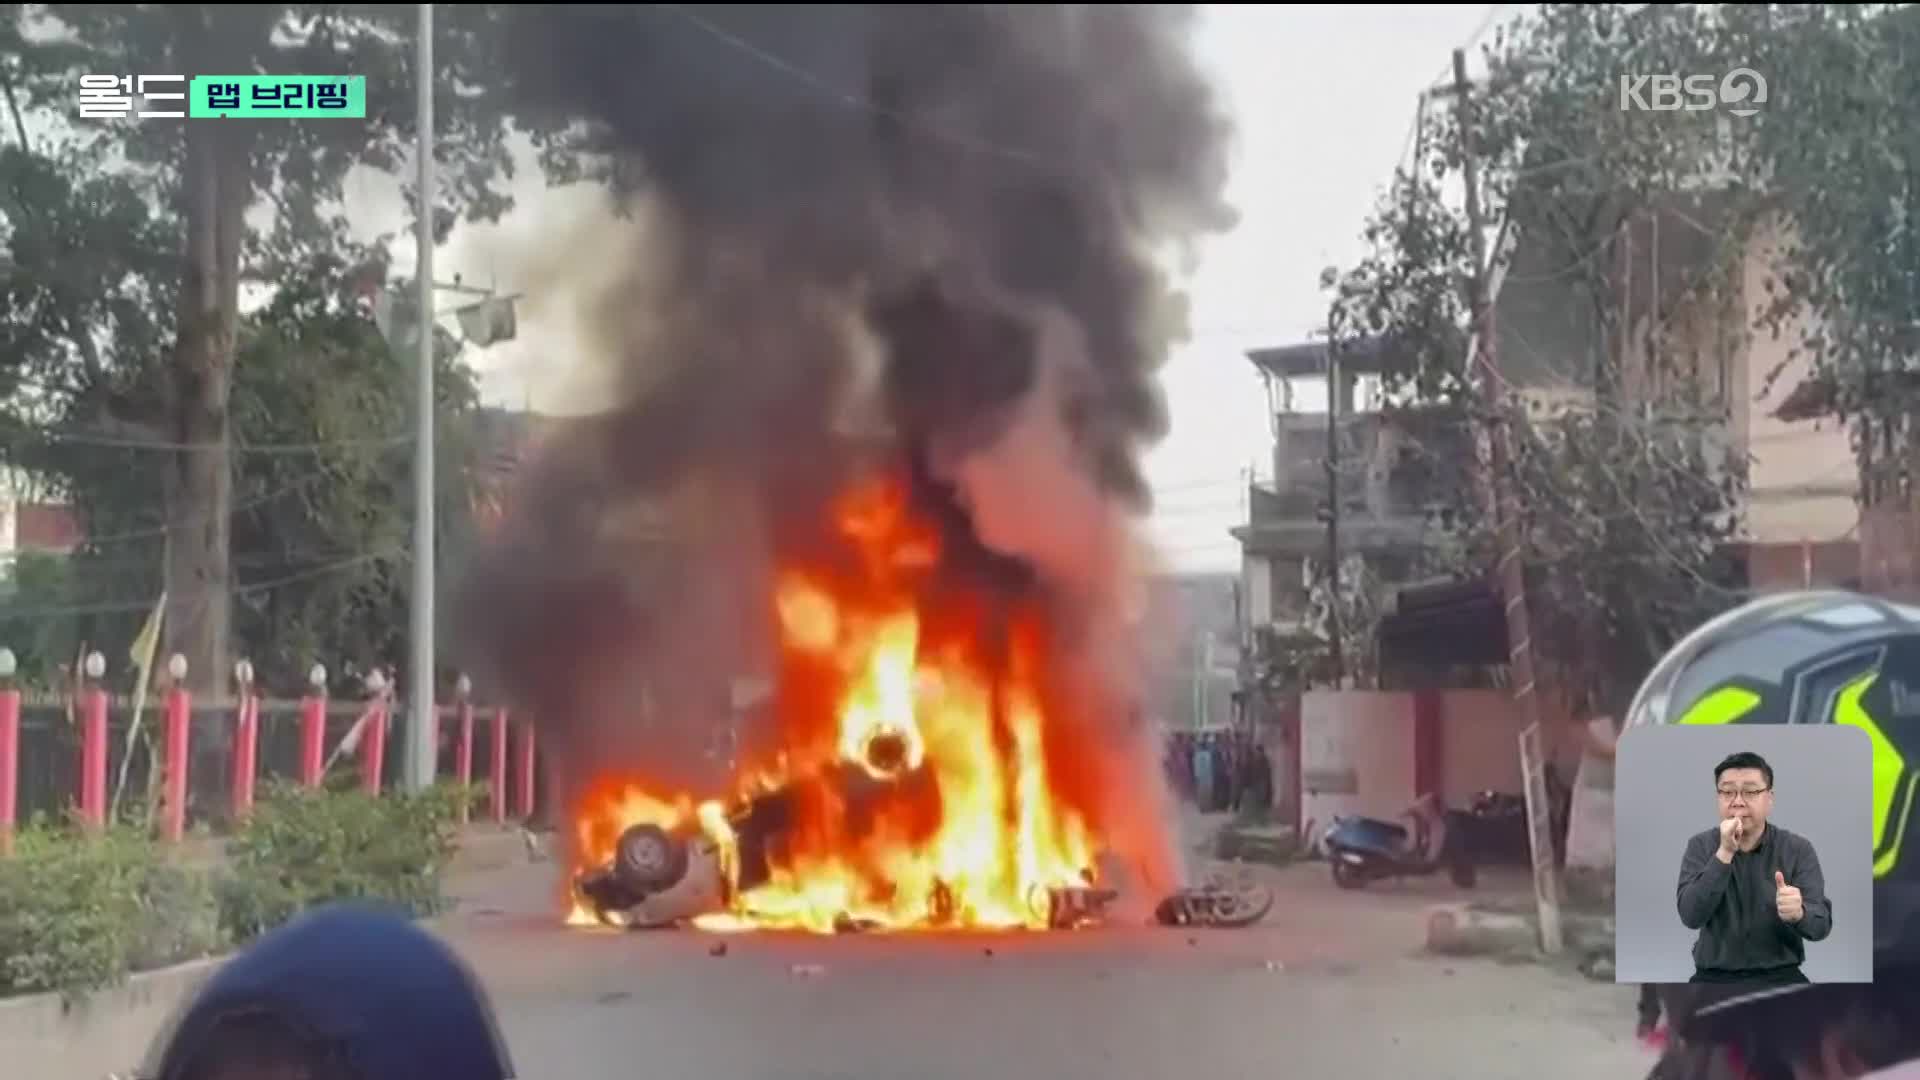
x,y
1453,624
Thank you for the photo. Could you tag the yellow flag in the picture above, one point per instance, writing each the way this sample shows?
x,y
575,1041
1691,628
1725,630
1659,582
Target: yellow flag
x,y
147,642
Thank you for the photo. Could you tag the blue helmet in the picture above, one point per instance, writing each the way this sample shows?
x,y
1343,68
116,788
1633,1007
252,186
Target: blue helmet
x,y
387,997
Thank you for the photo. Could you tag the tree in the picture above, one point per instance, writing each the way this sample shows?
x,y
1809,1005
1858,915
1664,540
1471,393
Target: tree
x,y
1629,505
32,580
1838,157
207,177
84,316
322,520
321,517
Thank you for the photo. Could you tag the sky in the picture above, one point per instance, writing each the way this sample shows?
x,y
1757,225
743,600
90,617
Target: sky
x,y
1323,98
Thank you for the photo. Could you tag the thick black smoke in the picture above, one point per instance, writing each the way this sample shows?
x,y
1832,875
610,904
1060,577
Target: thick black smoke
x,y
933,228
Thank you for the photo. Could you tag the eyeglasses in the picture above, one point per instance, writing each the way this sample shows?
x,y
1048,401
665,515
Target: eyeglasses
x,y
1746,794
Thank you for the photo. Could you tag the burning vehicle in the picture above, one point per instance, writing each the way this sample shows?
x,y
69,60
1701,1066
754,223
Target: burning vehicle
x,y
876,382
696,874
913,785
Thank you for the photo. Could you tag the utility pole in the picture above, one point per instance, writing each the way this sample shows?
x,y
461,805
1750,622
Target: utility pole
x,y
1506,509
421,748
1335,630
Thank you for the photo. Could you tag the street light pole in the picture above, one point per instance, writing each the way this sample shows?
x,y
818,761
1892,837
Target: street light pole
x,y
1505,499
420,757
1336,632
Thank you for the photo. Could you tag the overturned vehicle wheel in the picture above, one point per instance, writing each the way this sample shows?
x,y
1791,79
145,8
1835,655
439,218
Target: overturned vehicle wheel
x,y
655,879
647,859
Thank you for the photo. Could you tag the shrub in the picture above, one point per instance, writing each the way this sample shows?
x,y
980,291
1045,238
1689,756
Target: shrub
x,y
304,847
79,914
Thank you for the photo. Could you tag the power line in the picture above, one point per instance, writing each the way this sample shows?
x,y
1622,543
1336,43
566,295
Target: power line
x,y
159,531
1198,485
112,607
858,102
111,442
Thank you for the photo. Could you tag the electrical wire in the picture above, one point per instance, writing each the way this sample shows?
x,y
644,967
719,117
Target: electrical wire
x,y
160,531
111,442
248,589
846,99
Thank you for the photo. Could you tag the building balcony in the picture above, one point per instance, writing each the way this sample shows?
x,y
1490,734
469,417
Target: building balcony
x,y
1293,538
1394,469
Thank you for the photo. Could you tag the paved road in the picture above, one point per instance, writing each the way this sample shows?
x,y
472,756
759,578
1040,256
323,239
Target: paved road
x,y
1331,986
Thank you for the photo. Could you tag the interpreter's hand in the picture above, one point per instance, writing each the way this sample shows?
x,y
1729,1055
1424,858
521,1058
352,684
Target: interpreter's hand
x,y
1786,899
1730,831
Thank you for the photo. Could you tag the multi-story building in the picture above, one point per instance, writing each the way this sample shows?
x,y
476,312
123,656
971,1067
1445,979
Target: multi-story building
x,y
1390,468
1692,316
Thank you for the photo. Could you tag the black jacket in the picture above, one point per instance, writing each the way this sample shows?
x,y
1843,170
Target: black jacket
x,y
1732,904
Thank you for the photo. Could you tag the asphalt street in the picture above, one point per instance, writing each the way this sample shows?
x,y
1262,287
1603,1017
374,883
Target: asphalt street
x,y
1331,985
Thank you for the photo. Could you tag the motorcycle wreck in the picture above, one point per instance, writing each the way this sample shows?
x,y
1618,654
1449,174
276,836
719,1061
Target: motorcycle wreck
x,y
1429,837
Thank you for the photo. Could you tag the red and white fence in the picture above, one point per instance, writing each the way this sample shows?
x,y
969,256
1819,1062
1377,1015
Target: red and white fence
x,y
234,730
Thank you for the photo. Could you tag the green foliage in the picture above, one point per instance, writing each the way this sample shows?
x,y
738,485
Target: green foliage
x,y
321,539
299,169
1839,157
303,848
78,915
1621,454
109,223
30,582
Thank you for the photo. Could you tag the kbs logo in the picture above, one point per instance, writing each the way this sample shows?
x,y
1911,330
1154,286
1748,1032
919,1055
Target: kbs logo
x,y
1739,91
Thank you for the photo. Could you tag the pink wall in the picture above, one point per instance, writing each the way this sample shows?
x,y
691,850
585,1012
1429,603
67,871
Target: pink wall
x,y
1482,736
1358,758
1363,750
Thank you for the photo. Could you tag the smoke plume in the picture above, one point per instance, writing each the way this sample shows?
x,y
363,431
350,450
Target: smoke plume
x,y
924,229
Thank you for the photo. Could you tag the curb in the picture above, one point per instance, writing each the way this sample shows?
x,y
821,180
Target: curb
x,y
102,1034
1461,929
1273,845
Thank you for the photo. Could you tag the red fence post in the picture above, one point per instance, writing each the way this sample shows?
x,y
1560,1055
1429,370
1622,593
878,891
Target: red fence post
x,y
93,746
373,740
463,750
246,742
9,752
499,793
313,728
173,822
525,808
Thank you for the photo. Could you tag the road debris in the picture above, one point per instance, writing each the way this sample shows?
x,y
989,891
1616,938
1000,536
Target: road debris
x,y
1216,906
844,923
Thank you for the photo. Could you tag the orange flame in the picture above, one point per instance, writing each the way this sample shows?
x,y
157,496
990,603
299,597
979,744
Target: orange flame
x,y
920,759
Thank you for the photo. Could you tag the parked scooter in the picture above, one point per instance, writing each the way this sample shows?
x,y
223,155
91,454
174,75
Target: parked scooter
x,y
1363,849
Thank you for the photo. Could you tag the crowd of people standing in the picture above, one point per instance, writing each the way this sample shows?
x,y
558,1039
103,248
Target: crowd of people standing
x,y
1220,771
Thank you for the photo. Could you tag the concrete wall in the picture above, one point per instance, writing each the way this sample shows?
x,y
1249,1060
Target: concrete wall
x,y
1802,478
1358,754
1801,474
104,1034
1256,587
1361,749
1481,740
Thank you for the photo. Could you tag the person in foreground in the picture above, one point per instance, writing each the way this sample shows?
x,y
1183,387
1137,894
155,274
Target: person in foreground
x,y
1752,889
1844,658
1833,1031
342,993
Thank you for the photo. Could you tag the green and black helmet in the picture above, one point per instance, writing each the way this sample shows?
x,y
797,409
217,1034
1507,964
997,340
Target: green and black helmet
x,y
1819,658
